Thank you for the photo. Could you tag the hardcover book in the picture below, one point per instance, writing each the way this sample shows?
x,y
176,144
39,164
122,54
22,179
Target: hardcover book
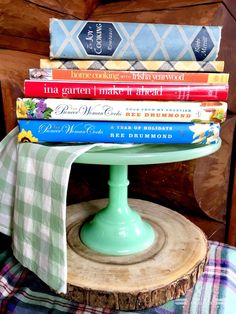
x,y
117,132
128,76
135,65
124,110
158,91
79,39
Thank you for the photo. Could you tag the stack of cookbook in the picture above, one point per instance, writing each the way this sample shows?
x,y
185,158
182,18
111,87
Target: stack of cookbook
x,y
104,82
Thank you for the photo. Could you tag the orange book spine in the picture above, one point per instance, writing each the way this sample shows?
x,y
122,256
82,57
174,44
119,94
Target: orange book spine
x,y
129,76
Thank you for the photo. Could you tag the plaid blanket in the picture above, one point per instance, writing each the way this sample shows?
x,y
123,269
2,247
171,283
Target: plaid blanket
x,y
33,189
21,291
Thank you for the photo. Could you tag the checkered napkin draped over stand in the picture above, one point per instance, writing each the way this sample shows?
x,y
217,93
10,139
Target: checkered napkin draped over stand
x,y
33,188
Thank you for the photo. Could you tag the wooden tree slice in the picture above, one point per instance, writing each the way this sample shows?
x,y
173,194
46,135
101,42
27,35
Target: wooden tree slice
x,y
161,273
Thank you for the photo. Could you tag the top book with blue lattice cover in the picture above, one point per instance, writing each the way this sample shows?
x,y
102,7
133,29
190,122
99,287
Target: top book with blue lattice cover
x,y
78,39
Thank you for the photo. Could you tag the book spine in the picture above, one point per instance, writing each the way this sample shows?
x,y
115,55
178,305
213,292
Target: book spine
x,y
117,132
134,65
158,91
115,110
128,76
78,39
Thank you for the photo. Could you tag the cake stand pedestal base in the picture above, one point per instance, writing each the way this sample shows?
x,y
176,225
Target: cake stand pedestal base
x,y
162,272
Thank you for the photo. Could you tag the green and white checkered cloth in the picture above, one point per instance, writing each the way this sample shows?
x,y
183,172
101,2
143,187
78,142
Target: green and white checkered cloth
x,y
33,189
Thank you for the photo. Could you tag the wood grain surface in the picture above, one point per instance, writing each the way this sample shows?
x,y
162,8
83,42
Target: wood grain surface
x,y
162,272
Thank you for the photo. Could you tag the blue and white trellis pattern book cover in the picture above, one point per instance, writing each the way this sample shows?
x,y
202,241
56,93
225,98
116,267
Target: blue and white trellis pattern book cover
x,y
76,39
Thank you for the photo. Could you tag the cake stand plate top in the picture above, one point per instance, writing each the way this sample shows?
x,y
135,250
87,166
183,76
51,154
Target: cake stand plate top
x,y
145,154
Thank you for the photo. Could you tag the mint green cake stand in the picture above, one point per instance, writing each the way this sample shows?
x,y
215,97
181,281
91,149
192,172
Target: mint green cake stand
x,y
117,229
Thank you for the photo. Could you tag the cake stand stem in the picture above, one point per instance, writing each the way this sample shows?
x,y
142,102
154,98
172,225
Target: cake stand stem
x,y
117,229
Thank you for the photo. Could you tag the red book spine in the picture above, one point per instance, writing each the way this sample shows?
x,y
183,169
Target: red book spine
x,y
72,89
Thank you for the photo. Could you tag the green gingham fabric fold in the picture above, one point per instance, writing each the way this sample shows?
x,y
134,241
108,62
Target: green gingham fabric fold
x,y
8,161
33,188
